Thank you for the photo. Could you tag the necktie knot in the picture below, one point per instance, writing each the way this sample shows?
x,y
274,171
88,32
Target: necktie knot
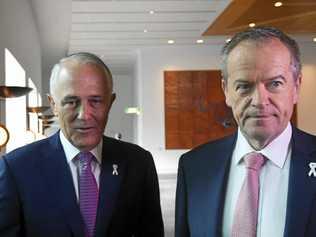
x,y
85,159
254,161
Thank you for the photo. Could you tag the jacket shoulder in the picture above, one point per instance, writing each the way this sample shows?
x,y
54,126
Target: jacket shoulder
x,y
214,148
37,147
122,145
304,141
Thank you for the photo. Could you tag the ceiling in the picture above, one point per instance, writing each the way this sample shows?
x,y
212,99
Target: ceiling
x,y
293,16
116,29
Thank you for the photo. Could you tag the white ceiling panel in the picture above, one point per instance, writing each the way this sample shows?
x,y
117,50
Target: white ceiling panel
x,y
131,27
145,6
140,17
117,29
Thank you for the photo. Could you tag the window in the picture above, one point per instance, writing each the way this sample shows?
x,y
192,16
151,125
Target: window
x,y
15,107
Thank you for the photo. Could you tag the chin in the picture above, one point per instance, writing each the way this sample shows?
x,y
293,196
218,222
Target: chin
x,y
87,144
259,133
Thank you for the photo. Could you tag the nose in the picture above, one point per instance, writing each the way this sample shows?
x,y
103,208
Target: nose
x,y
84,111
260,96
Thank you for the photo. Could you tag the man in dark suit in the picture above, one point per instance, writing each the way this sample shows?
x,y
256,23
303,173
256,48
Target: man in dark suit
x,y
78,182
261,181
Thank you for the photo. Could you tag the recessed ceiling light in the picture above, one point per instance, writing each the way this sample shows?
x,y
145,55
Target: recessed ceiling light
x,y
278,4
314,39
252,24
228,40
170,41
151,12
145,31
200,41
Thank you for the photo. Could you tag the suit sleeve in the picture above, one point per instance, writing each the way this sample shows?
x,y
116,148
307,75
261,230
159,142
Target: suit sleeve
x,y
181,218
10,223
151,223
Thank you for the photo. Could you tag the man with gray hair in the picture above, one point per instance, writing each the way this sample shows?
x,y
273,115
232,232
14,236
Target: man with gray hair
x,y
261,181
79,182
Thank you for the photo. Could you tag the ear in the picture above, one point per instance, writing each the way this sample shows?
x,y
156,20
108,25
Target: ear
x,y
113,97
52,104
225,90
297,87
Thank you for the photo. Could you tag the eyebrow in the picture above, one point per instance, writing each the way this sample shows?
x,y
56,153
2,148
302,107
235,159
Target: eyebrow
x,y
70,97
94,96
241,81
276,77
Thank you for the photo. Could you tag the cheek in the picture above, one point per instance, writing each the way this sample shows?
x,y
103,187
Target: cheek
x,y
239,105
66,117
100,117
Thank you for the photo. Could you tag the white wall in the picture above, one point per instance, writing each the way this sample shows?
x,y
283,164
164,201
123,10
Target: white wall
x,y
118,120
19,34
152,63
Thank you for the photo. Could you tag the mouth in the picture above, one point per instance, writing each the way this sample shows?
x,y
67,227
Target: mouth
x,y
260,116
260,120
84,129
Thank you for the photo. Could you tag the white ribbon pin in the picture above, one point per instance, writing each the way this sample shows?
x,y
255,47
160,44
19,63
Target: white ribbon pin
x,y
312,171
115,167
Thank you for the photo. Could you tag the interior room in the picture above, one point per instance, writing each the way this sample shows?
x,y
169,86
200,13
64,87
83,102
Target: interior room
x,y
139,40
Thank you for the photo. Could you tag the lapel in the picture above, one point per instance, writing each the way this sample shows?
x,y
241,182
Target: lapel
x,y
213,176
57,174
109,183
302,188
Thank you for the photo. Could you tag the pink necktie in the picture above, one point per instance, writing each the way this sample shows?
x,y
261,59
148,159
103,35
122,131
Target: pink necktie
x,y
246,211
88,193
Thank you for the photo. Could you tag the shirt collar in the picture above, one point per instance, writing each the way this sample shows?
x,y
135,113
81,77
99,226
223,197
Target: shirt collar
x,y
71,151
272,151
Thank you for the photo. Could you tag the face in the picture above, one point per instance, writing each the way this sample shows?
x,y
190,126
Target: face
x,y
260,89
82,100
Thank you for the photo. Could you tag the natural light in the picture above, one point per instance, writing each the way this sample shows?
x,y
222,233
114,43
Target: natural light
x,y
15,107
32,117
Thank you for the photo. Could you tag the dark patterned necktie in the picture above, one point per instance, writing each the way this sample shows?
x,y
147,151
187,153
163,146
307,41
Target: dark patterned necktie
x,y
88,193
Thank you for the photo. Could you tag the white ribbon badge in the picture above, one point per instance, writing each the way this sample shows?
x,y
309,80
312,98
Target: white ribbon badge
x,y
115,167
312,165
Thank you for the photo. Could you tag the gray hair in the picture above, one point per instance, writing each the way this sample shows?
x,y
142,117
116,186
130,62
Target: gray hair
x,y
262,35
80,58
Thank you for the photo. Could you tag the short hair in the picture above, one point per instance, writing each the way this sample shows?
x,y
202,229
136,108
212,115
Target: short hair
x,y
261,35
79,58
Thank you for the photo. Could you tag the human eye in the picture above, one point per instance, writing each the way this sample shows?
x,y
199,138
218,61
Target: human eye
x,y
70,102
242,87
95,102
276,84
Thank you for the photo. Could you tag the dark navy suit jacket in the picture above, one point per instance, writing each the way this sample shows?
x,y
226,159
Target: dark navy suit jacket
x,y
37,195
202,180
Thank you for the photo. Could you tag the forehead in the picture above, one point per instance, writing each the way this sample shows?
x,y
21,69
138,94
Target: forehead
x,y
264,57
82,80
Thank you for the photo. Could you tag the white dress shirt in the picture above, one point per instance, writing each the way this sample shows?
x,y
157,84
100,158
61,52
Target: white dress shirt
x,y
274,177
71,152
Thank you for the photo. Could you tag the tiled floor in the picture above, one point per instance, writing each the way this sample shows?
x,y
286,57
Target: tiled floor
x,y
167,185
